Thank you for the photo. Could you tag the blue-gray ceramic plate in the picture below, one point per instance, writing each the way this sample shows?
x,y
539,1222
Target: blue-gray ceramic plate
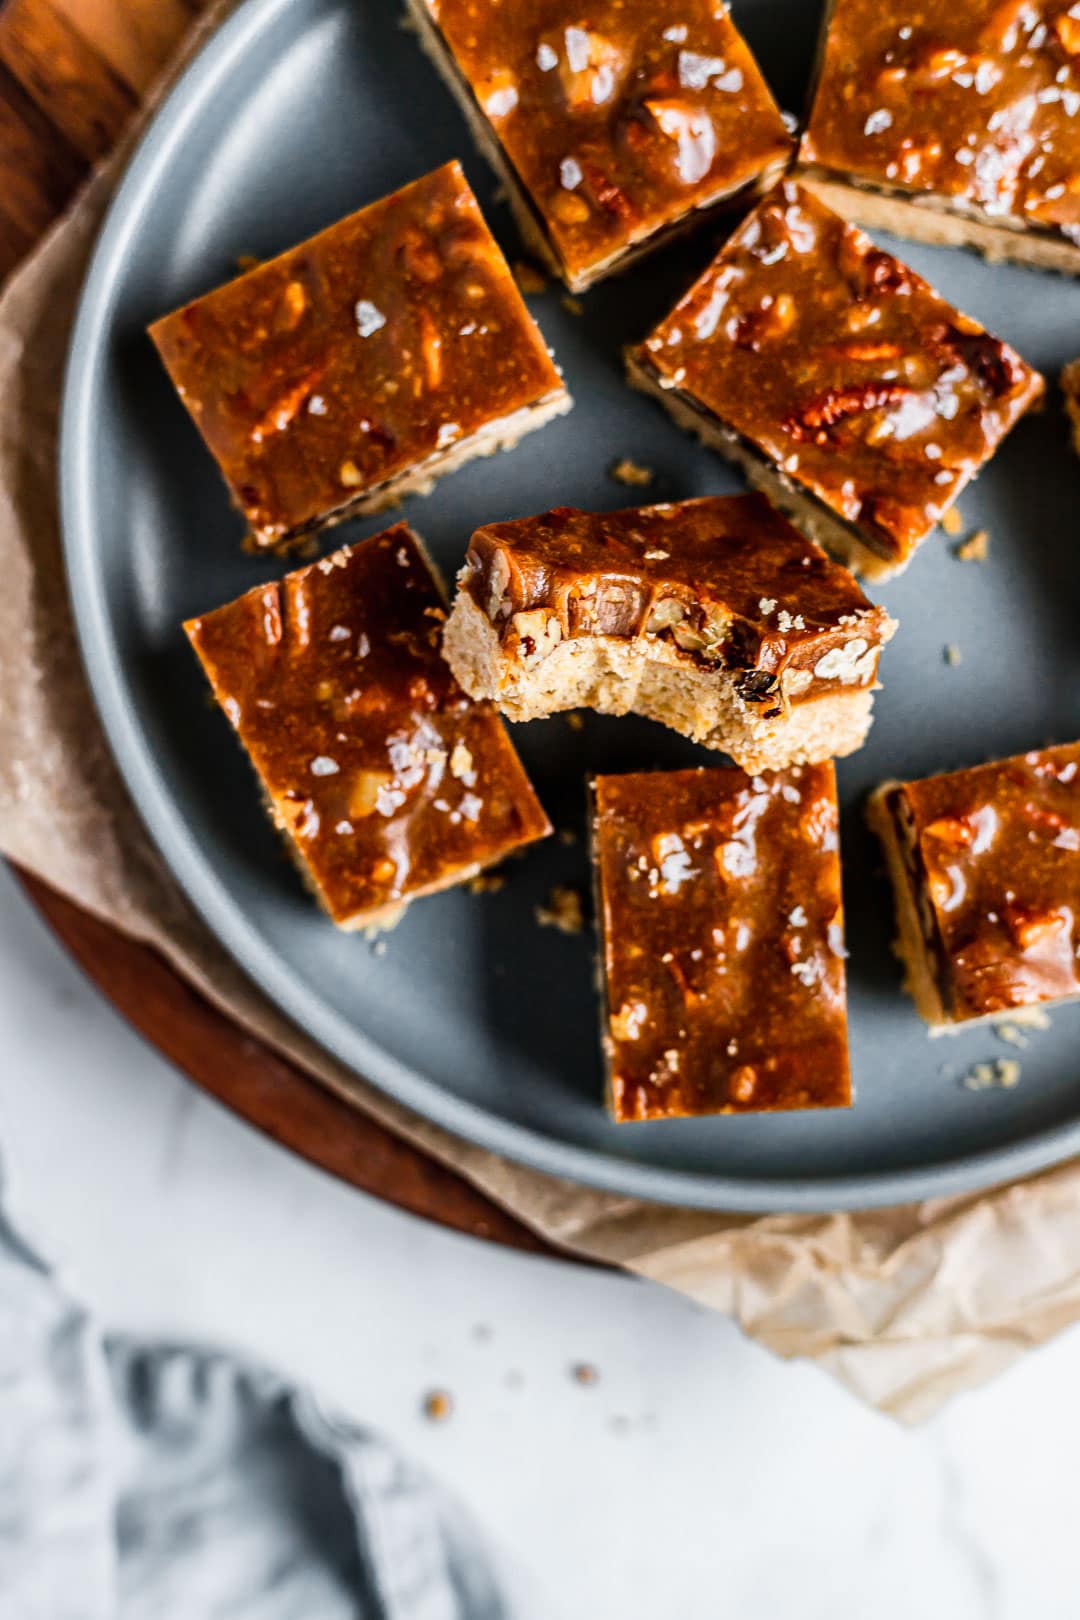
x,y
297,112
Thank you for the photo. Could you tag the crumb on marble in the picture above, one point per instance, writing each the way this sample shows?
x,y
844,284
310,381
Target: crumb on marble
x,y
952,654
438,1405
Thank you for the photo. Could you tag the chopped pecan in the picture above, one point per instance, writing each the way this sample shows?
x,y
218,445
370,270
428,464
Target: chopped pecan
x,y
753,327
755,685
1067,29
985,356
605,192
821,412
861,350
951,830
882,273
418,255
278,416
1029,927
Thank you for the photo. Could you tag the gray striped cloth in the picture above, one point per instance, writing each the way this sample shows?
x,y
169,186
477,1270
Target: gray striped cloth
x,y
144,1482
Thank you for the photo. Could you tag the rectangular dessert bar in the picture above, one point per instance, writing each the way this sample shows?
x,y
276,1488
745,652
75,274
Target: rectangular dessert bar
x,y
985,864
712,616
956,123
722,942
363,364
842,383
387,781
611,129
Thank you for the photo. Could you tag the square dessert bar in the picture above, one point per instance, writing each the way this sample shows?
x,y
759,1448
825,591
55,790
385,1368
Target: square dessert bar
x,y
842,383
722,942
953,123
613,127
363,364
713,616
388,782
985,864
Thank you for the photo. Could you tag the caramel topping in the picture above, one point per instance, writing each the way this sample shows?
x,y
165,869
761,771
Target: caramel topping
x,y
725,581
844,367
723,941
618,121
977,101
347,361
996,851
388,779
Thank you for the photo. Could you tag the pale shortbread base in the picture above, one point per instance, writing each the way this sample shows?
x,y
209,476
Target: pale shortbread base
x,y
618,676
805,510
1070,387
421,478
944,221
526,216
910,947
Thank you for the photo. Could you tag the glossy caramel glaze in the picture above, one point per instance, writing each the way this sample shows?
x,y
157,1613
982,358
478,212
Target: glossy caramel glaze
x,y
724,581
617,121
844,367
976,100
387,778
383,341
994,858
723,944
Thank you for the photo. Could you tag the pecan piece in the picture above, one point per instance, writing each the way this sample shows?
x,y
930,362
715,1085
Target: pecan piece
x,y
882,273
755,685
1029,927
989,359
814,419
951,830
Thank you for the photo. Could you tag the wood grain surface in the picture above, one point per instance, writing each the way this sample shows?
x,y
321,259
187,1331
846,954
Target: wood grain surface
x,y
72,73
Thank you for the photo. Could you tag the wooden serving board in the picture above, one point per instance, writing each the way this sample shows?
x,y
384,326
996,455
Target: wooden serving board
x,y
72,73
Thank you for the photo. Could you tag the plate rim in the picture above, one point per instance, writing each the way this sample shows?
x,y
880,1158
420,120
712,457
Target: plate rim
x,y
251,950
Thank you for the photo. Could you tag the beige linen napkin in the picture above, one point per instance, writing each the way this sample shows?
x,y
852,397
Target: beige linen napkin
x,y
906,1306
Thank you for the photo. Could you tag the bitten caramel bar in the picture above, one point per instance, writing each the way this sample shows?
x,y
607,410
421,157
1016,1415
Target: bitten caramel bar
x,y
362,365
610,128
954,123
713,616
722,942
842,383
985,864
387,781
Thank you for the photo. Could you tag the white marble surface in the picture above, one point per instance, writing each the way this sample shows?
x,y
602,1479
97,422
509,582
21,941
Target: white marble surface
x,y
698,1478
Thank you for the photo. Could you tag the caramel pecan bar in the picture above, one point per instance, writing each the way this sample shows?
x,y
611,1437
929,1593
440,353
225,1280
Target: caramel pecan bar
x,y
956,123
839,379
985,864
387,781
713,616
611,129
363,364
722,942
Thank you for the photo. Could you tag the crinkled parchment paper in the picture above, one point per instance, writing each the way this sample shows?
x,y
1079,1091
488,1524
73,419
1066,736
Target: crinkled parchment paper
x,y
906,1306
